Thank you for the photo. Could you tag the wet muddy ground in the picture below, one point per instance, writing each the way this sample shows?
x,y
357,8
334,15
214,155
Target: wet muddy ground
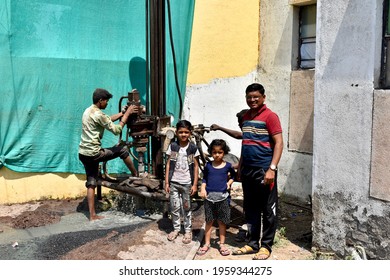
x,y
60,229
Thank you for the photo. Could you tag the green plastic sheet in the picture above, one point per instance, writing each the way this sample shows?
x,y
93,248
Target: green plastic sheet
x,y
54,53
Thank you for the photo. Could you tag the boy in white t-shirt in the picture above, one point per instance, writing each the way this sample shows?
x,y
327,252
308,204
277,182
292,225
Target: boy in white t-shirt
x,y
181,179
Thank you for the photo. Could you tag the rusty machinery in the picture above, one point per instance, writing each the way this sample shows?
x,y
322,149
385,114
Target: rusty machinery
x,y
143,129
139,134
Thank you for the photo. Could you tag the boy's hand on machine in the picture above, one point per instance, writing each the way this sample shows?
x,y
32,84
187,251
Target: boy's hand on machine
x,y
124,109
132,109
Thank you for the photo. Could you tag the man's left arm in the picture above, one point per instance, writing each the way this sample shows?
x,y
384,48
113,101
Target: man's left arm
x,y
278,149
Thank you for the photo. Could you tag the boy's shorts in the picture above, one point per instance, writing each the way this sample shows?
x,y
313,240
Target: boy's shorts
x,y
217,211
91,164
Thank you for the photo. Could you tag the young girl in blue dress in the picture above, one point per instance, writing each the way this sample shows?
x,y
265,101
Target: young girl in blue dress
x,y
217,179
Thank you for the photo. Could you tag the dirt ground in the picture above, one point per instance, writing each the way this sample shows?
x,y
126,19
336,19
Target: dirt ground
x,y
148,240
292,241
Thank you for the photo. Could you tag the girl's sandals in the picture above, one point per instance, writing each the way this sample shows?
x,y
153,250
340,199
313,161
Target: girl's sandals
x,y
244,250
203,250
263,254
223,250
187,238
173,235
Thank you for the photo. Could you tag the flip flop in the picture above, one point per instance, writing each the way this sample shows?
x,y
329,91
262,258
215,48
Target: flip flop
x,y
173,235
203,250
244,250
223,250
187,238
263,254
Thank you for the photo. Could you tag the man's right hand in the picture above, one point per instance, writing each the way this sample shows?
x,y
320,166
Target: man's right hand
x,y
214,127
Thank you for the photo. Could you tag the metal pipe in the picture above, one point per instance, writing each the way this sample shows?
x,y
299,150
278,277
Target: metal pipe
x,y
147,92
133,190
157,57
157,75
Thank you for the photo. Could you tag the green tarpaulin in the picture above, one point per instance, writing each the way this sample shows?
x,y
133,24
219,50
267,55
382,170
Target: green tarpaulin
x,y
54,53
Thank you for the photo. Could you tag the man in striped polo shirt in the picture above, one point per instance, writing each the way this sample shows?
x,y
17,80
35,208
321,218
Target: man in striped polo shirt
x,y
262,147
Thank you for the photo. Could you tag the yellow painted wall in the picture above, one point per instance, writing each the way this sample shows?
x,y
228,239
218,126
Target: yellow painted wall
x,y
225,40
18,187
224,44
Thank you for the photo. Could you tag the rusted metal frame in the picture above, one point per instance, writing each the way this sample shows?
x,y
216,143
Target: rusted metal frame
x,y
157,77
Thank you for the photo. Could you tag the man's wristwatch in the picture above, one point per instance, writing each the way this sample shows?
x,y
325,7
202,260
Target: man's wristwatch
x,y
273,167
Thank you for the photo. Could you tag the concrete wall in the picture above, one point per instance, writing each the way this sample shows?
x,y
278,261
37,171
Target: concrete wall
x,y
347,63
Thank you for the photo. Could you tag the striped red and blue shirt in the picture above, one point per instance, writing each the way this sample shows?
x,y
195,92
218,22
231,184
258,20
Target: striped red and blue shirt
x,y
257,143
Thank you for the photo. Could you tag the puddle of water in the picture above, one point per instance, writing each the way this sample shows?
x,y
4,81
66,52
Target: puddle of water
x,y
138,206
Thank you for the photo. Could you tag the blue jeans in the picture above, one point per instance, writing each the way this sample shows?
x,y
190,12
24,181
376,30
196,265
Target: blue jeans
x,y
180,204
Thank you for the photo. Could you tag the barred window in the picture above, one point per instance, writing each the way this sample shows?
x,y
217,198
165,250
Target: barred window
x,y
307,36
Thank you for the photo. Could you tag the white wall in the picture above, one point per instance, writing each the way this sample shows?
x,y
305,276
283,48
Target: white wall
x,y
218,102
347,60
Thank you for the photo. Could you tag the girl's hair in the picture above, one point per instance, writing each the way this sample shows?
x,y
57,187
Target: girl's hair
x,y
185,124
218,142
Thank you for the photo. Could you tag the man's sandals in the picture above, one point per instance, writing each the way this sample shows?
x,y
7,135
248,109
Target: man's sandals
x,y
244,250
262,254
